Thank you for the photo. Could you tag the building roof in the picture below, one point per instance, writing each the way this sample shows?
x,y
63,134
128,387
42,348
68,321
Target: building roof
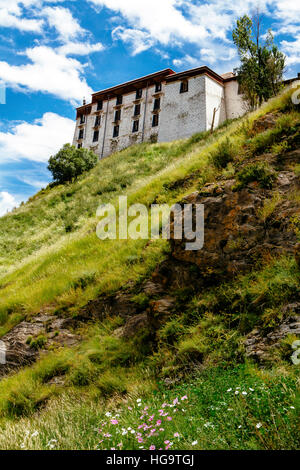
x,y
193,72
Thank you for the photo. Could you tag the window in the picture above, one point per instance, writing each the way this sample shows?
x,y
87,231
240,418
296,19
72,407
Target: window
x,y
135,127
96,136
240,91
155,120
97,121
117,115
116,131
82,119
156,103
157,87
184,86
99,105
139,94
119,99
79,146
137,110
80,134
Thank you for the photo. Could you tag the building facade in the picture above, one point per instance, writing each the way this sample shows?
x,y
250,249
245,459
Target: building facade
x,y
160,107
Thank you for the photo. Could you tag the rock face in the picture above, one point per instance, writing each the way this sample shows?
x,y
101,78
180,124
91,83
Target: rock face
x,y
19,354
236,235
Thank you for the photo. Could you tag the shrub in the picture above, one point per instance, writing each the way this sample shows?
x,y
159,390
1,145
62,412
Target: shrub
x,y
260,172
69,163
223,154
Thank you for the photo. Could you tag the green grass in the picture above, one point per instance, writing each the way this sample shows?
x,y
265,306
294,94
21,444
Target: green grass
x,y
51,258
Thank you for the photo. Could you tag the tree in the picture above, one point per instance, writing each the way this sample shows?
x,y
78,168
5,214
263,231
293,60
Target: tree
x,y
70,162
262,64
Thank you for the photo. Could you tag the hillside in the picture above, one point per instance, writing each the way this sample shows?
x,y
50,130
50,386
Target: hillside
x,y
203,338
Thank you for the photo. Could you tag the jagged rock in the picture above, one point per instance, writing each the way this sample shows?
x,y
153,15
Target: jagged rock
x,y
133,326
260,347
268,121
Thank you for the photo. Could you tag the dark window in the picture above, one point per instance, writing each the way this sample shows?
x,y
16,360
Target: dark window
x,y
139,94
137,110
97,121
117,115
119,99
79,146
82,119
99,105
184,86
240,91
80,134
155,120
157,87
116,131
156,103
96,136
135,127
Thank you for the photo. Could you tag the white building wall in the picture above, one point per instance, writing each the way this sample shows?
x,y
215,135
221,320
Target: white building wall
x,y
215,99
183,114
235,105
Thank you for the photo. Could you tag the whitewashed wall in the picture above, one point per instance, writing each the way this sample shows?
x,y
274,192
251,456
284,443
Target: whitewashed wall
x,y
235,106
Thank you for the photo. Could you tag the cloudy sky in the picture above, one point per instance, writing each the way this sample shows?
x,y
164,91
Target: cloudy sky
x,y
55,52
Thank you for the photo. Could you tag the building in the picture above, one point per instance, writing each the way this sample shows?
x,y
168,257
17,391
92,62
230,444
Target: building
x,y
160,107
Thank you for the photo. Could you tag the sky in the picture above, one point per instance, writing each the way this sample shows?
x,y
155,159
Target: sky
x,y
53,53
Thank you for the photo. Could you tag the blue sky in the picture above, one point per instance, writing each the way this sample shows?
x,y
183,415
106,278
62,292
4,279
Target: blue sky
x,y
55,52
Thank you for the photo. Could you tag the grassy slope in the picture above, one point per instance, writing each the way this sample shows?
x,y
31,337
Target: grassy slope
x,y
49,245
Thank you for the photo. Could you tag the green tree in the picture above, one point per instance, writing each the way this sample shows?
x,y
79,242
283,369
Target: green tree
x,y
262,64
70,162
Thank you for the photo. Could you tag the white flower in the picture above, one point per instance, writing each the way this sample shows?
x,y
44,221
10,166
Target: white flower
x,y
34,434
244,393
236,392
229,409
259,425
108,414
22,446
194,443
138,400
292,407
251,389
240,426
229,390
128,429
132,432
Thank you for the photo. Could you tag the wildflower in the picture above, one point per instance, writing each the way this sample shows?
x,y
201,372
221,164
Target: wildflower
x,y
251,389
138,400
34,434
108,414
146,408
167,442
244,393
236,392
132,431
184,398
169,418
161,430
140,440
114,421
194,443
113,448
158,422
175,401
292,407
151,418
259,425
176,434
120,445
164,405
152,447
129,407
229,390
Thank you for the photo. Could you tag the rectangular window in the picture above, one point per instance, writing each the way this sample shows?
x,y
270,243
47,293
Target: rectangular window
x,y
119,100
99,105
139,94
80,134
82,119
96,136
117,115
156,103
137,110
155,120
97,121
157,87
184,86
116,131
135,127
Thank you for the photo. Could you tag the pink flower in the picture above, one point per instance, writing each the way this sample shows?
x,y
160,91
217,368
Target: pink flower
x,y
176,434
114,421
168,447
129,407
146,408
161,430
151,418
184,398
152,447
169,418
164,405
175,401
120,445
140,440
161,412
158,423
167,442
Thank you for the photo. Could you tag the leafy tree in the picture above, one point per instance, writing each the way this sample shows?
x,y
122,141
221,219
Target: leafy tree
x,y
262,64
70,162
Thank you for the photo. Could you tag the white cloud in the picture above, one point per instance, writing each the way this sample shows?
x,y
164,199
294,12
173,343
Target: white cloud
x,y
80,48
11,17
49,72
7,202
138,41
63,21
292,51
37,141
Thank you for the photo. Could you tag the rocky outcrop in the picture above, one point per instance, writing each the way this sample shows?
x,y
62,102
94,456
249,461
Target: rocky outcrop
x,y
17,349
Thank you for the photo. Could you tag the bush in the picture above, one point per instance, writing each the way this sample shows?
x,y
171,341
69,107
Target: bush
x,y
260,172
223,154
69,163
